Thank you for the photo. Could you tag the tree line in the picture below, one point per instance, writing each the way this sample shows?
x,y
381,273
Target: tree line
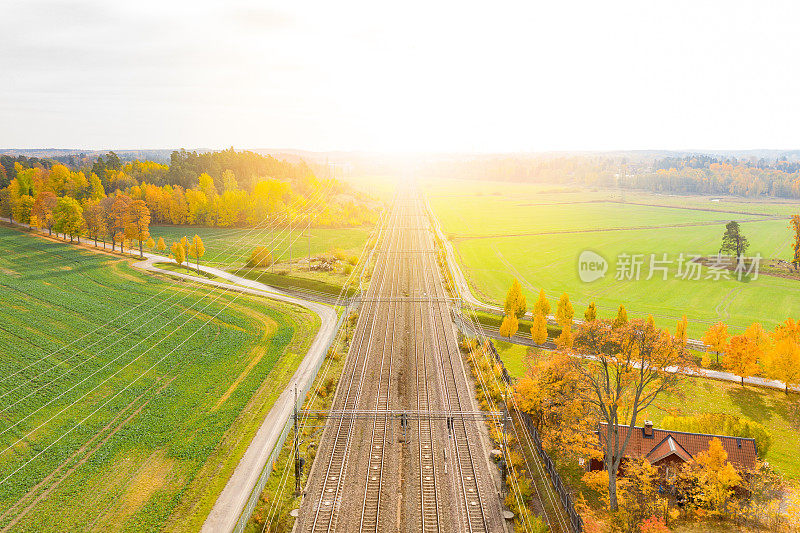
x,y
296,196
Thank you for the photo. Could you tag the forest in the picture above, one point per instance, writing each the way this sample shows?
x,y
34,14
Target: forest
x,y
220,189
778,177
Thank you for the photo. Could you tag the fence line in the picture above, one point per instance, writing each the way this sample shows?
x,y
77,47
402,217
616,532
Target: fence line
x,y
555,479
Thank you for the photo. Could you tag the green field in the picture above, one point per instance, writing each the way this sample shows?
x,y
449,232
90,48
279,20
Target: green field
x,y
502,235
232,246
136,425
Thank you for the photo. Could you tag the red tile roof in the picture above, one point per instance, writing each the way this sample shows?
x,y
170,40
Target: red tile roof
x,y
668,446
741,451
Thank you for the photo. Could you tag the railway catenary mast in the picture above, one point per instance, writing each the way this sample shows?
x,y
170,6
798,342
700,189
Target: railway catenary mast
x,y
371,474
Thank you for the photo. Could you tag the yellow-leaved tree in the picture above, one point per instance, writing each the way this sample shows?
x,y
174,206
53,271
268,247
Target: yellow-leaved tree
x,y
622,317
542,304
515,303
680,330
590,313
509,326
783,358
741,356
178,253
564,315
710,479
539,329
197,250
717,338
161,245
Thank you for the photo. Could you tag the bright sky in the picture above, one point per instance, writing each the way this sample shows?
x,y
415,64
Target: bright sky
x,y
400,76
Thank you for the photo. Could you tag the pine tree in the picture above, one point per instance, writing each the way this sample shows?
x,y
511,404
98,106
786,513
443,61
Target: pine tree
x,y
733,241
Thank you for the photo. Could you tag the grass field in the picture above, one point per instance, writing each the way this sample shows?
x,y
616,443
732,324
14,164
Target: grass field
x,y
526,232
132,426
777,412
232,246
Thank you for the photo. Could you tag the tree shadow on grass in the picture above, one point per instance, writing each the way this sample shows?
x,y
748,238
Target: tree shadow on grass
x,y
751,403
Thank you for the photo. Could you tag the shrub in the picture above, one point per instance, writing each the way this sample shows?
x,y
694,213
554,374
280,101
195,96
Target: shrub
x,y
721,424
260,257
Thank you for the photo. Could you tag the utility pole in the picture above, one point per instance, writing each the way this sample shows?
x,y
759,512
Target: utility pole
x,y
297,465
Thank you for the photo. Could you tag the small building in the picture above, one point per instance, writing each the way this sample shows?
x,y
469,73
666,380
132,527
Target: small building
x,y
668,449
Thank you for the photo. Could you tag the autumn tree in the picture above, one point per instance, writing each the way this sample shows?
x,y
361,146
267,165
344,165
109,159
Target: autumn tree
x,y
515,303
794,223
710,479
151,243
137,224
628,371
549,393
741,356
68,218
178,253
622,317
197,250
43,206
733,242
115,212
717,338
161,246
95,220
542,304
783,357
260,257
509,326
680,330
590,313
539,329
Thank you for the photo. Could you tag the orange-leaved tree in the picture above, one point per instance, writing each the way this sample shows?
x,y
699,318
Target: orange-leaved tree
x,y
741,356
626,373
717,338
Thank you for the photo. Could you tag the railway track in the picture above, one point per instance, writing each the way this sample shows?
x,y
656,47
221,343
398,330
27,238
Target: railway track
x,y
374,474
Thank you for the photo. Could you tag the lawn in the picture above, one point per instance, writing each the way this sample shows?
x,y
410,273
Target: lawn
x,y
130,421
549,259
231,247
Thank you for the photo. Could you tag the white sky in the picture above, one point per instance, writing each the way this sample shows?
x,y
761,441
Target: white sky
x,y
400,76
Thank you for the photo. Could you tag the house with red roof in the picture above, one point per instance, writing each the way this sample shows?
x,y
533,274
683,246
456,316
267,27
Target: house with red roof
x,y
668,449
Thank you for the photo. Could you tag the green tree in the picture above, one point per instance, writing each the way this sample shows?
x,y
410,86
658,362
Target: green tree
x,y
515,303
733,242
68,218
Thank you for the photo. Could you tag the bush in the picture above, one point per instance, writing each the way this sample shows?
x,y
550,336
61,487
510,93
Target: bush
x,y
721,424
339,254
260,257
